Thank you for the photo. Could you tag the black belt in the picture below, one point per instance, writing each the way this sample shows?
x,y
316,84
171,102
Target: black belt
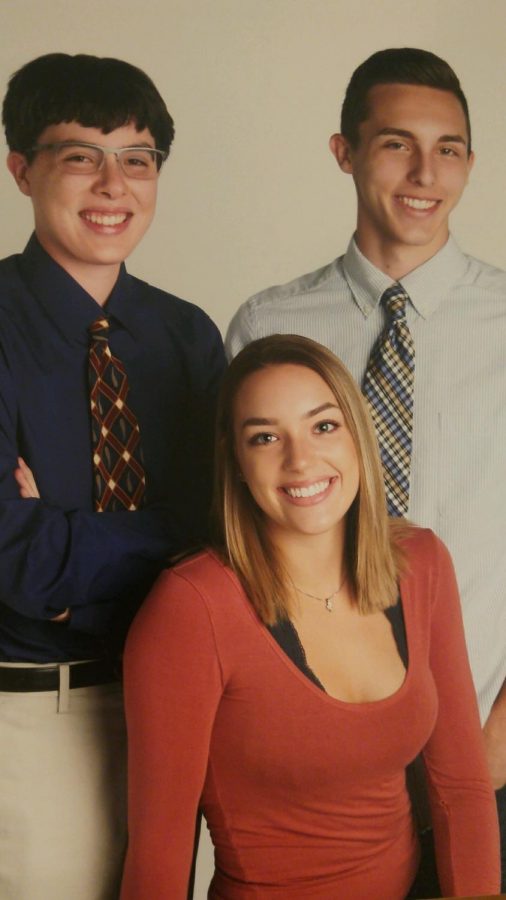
x,y
47,678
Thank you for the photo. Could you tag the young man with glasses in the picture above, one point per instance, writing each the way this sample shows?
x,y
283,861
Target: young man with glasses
x,y
440,333
107,389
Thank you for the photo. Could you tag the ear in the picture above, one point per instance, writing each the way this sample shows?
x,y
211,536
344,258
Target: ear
x,y
470,163
340,148
18,167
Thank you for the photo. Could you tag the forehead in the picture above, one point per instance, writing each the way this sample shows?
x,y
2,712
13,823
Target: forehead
x,y
413,106
125,136
282,390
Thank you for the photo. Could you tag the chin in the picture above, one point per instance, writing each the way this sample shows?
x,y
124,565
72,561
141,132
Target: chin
x,y
109,258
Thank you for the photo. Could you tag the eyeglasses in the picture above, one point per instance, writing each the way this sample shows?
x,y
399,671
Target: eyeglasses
x,y
81,158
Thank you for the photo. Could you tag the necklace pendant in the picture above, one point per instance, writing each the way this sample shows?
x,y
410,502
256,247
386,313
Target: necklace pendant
x,y
329,604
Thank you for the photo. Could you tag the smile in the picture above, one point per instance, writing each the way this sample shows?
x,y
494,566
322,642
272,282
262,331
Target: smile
x,y
103,219
416,203
311,490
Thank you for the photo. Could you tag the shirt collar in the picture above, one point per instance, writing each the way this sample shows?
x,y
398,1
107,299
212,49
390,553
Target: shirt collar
x,y
66,303
427,286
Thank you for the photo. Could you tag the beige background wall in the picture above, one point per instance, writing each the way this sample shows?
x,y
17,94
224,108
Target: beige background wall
x,y
251,195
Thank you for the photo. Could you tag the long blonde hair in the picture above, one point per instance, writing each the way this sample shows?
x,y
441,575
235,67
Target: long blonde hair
x,y
372,554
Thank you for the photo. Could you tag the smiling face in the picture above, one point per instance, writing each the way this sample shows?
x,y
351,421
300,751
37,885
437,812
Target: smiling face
x,y
410,168
295,451
87,221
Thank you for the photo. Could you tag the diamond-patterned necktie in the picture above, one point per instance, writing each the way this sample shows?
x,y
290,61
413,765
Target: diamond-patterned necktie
x,y
119,479
388,387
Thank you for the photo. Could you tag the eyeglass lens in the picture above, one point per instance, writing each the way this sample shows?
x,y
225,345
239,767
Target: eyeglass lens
x,y
135,163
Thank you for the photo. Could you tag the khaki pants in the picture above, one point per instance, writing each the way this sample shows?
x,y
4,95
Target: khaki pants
x,y
62,794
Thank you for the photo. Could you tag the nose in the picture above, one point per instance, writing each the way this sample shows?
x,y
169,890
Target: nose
x,y
297,455
423,171
110,179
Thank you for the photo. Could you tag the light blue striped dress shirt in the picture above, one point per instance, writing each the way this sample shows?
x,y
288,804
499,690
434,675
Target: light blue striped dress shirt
x,y
457,317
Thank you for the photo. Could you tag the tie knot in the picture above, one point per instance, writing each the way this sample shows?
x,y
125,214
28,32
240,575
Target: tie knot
x,y
99,329
394,301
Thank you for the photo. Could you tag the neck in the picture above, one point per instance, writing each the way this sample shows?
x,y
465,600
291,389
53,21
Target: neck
x,y
394,258
313,562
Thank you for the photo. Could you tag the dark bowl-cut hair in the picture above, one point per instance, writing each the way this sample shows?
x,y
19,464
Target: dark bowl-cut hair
x,y
398,65
96,92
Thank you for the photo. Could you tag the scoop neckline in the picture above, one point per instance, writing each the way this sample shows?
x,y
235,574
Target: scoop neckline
x,y
324,694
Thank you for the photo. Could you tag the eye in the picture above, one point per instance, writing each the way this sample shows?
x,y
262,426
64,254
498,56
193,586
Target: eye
x,y
396,145
76,157
137,161
326,427
140,159
449,151
262,438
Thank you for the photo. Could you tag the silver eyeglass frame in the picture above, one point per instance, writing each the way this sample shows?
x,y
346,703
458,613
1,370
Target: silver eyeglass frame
x,y
159,155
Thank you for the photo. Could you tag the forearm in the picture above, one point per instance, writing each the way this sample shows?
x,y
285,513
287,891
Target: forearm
x,y
462,802
51,560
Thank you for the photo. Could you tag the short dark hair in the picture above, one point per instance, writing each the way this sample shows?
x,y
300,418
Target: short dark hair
x,y
398,65
97,92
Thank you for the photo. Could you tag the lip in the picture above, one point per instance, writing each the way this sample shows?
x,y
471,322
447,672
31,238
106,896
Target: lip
x,y
308,484
106,221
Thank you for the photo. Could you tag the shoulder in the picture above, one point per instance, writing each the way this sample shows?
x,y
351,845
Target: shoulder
x,y
425,553
427,581
184,615
10,280
484,276
179,331
286,307
9,264
414,539
207,571
205,578
326,278
172,309
198,599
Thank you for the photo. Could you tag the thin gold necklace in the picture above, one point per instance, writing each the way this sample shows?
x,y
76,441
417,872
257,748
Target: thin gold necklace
x,y
328,601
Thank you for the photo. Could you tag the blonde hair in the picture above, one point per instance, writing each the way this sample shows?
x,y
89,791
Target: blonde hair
x,y
372,554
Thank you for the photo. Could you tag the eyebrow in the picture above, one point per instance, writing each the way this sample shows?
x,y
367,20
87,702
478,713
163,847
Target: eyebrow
x,y
401,132
70,141
309,415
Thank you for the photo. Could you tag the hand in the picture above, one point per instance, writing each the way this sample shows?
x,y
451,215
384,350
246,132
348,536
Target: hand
x,y
62,617
494,732
26,482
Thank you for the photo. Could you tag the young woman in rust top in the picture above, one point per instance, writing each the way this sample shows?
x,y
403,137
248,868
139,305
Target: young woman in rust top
x,y
284,682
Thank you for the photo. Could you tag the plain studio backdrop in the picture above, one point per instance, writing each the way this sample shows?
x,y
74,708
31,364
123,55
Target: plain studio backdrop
x,y
250,195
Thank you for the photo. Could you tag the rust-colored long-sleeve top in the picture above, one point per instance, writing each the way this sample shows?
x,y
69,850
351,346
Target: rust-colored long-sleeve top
x,y
304,794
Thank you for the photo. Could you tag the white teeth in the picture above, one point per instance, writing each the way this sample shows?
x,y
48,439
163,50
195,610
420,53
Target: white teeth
x,y
414,203
99,219
317,488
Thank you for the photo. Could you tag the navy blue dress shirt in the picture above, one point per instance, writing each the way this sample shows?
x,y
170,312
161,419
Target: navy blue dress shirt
x,y
57,552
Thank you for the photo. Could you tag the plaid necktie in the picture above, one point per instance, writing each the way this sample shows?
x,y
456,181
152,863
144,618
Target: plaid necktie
x,y
119,479
388,388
